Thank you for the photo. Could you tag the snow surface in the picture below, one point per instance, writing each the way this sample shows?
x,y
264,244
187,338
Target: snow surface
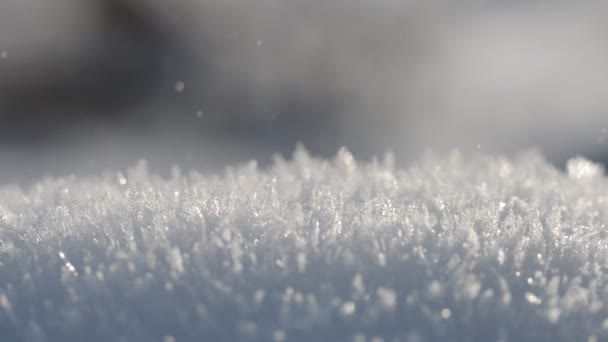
x,y
488,249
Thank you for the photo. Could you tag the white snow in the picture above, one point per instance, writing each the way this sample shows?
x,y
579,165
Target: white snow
x,y
180,86
489,249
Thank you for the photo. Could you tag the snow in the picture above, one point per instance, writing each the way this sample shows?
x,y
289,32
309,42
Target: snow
x,y
180,86
484,249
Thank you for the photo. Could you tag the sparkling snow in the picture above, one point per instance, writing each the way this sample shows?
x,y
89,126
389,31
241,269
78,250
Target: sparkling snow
x,y
488,249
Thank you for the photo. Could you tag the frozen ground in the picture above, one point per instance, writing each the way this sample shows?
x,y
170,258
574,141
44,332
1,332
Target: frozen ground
x,y
487,249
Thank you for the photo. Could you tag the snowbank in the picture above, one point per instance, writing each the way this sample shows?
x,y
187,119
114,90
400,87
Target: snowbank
x,y
489,249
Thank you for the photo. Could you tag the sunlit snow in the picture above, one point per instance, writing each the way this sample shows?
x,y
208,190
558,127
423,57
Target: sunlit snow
x,y
482,249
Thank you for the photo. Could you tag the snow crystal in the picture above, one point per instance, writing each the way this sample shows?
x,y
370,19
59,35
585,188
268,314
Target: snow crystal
x,y
388,298
348,308
279,336
446,313
533,299
180,86
310,250
581,168
359,337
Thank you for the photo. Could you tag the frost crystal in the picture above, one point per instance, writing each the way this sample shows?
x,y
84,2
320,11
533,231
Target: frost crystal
x,y
310,250
180,86
581,168
446,313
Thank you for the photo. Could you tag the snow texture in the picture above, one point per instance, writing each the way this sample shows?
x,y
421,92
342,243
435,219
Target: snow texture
x,y
489,249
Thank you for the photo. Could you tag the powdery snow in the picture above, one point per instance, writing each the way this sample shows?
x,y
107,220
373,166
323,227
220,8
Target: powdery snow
x,y
489,249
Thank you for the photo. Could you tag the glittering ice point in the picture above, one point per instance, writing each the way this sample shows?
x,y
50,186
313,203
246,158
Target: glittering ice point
x,y
488,249
581,168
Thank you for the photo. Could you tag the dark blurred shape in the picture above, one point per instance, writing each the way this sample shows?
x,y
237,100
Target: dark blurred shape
x,y
123,78
42,97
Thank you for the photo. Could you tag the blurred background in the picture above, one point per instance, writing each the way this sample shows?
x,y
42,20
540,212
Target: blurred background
x,y
93,84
